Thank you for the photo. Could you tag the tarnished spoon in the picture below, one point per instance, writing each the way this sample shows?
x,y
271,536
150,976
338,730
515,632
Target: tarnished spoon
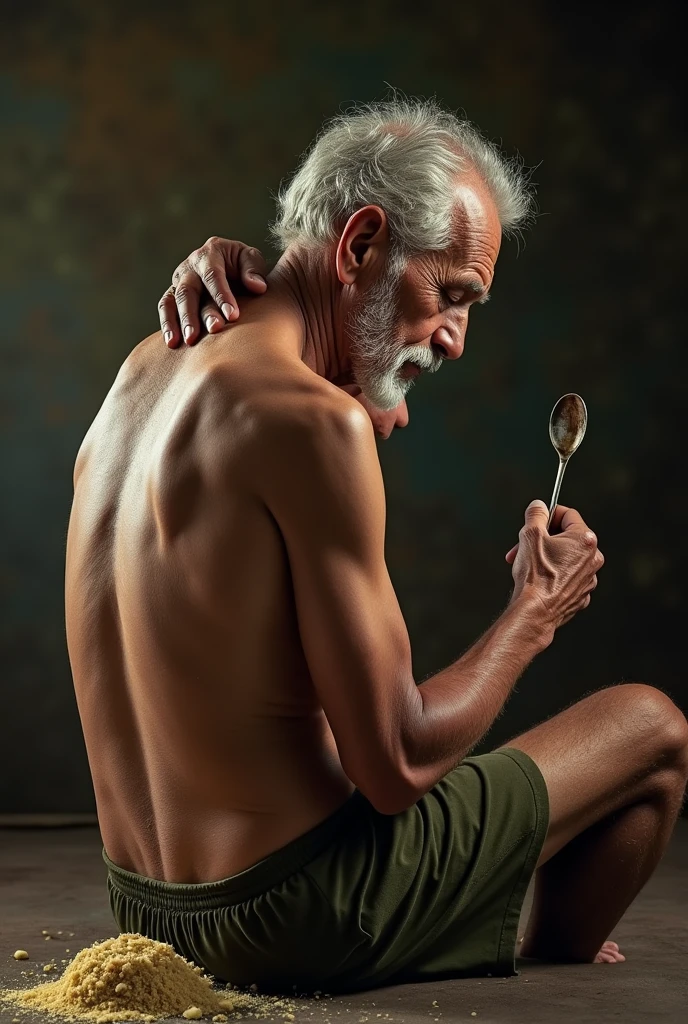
x,y
567,423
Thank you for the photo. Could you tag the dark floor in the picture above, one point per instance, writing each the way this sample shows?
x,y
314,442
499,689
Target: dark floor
x,y
55,879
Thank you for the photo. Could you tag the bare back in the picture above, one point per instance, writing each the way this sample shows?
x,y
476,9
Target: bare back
x,y
207,744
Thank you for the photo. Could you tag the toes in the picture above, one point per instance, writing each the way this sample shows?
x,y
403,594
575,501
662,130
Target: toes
x,y
609,956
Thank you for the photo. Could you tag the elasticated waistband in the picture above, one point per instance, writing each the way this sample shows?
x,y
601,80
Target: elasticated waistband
x,y
252,882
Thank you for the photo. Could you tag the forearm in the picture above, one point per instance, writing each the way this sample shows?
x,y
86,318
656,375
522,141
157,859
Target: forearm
x,y
457,706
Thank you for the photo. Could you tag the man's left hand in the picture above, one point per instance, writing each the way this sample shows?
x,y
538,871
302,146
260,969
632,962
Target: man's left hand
x,y
201,283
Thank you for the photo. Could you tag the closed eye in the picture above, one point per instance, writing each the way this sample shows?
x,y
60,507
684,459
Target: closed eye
x,y
463,298
455,299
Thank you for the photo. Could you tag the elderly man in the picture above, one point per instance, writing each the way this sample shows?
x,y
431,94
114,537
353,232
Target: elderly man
x,y
277,797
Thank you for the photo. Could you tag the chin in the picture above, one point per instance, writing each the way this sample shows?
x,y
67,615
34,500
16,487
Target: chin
x,y
382,386
385,398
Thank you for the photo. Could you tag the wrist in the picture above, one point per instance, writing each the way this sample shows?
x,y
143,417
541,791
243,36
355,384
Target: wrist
x,y
528,608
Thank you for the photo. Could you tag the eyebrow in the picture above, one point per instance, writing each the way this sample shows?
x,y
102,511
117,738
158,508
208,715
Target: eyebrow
x,y
478,289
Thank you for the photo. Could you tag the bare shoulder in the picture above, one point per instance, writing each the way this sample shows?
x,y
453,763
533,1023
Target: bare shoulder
x,y
287,412
314,465
314,425
298,437
313,412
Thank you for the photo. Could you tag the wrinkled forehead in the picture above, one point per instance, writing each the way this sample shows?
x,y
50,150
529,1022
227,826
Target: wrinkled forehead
x,y
477,232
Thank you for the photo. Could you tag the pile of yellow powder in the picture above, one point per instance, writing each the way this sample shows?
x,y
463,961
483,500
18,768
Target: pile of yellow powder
x,y
135,978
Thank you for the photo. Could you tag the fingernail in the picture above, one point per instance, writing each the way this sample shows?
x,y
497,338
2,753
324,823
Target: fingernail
x,y
168,337
188,331
227,310
258,277
211,322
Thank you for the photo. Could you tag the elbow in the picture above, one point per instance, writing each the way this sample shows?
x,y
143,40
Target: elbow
x,y
388,778
389,783
392,804
392,794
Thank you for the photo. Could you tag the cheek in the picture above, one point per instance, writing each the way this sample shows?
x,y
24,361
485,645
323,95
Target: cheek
x,y
420,332
420,318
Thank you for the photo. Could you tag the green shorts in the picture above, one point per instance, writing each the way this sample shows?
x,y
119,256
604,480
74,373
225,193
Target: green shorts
x,y
366,899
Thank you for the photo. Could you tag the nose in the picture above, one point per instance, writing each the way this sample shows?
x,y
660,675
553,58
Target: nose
x,y
449,341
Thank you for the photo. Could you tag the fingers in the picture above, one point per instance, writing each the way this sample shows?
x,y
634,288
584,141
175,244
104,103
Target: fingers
x,y
187,294
212,318
220,259
169,319
569,520
572,520
559,513
537,514
565,520
209,269
574,609
253,268
212,262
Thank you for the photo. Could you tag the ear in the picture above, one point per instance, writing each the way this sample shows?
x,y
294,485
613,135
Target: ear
x,y
364,242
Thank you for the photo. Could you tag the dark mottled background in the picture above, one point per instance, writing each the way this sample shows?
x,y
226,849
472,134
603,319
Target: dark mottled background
x,y
132,131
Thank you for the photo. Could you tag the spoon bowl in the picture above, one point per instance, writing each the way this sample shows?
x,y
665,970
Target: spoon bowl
x,y
568,422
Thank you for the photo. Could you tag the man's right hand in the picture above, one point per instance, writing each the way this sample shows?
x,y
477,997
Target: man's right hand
x,y
559,569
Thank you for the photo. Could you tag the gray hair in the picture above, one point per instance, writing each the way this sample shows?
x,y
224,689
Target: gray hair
x,y
403,155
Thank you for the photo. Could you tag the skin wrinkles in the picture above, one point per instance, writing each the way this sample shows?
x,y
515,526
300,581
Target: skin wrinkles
x,y
319,477
466,268
427,316
216,673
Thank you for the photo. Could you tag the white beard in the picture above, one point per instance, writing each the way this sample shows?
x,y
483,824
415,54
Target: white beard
x,y
373,327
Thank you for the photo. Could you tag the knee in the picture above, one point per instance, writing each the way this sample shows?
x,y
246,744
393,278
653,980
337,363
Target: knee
x,y
658,716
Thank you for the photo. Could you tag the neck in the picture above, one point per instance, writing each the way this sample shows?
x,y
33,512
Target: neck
x,y
308,284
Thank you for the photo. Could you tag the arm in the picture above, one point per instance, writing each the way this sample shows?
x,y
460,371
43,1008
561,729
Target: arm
x,y
321,480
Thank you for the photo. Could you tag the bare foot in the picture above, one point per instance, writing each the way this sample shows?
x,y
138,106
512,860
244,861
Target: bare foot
x,y
609,954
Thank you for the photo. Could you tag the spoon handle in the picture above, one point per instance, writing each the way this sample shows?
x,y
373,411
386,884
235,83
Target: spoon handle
x,y
555,492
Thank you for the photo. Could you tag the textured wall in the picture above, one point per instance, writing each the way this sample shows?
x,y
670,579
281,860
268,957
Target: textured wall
x,y
132,131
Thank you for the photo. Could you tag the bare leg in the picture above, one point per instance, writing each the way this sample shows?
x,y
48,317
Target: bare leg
x,y
615,766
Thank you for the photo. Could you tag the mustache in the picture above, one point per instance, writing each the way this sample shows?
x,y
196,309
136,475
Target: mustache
x,y
424,358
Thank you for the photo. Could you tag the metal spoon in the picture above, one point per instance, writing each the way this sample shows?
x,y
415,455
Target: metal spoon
x,y
567,423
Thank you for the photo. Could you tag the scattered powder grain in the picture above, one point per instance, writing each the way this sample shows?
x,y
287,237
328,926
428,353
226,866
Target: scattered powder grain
x,y
134,978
